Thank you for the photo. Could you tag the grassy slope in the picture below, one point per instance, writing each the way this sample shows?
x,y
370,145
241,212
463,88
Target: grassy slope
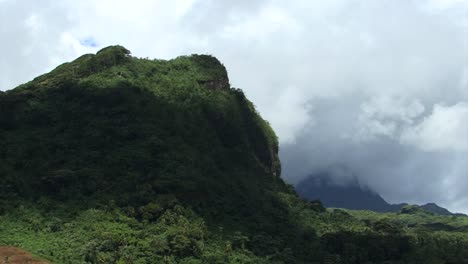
x,y
115,159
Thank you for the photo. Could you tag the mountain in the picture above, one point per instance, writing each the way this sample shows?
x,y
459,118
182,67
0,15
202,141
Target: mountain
x,y
113,127
112,158
434,208
351,194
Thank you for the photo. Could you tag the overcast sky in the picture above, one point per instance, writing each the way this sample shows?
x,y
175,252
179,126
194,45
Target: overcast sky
x,y
378,88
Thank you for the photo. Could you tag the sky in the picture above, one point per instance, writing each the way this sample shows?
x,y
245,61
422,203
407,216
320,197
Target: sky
x,y
378,89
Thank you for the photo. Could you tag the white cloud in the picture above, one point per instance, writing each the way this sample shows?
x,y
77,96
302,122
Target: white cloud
x,y
446,129
290,104
270,20
445,4
386,116
32,40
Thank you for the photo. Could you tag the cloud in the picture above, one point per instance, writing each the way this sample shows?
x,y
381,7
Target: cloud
x,y
34,40
377,87
446,4
291,103
446,129
386,116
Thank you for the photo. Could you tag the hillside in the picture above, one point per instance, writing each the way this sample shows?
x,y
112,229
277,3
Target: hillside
x,y
116,159
113,127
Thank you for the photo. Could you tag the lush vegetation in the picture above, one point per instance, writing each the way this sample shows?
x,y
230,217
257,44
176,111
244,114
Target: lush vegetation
x,y
116,159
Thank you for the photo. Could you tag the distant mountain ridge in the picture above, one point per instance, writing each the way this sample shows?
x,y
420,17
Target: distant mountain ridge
x,y
351,194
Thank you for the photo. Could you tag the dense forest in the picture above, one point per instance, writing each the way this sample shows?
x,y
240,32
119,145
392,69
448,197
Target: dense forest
x,y
117,159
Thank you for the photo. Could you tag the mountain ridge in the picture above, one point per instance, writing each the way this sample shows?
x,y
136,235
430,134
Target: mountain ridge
x,y
353,195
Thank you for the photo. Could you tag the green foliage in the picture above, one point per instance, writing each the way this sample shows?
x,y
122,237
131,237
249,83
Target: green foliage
x,y
413,209
115,159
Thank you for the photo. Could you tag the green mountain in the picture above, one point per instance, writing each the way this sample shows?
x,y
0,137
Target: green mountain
x,y
112,127
117,159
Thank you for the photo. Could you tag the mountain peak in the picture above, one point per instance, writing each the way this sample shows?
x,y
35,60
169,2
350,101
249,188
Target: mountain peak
x,y
115,64
343,194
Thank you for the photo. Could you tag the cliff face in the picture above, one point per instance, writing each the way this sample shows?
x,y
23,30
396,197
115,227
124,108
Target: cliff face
x,y
112,126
